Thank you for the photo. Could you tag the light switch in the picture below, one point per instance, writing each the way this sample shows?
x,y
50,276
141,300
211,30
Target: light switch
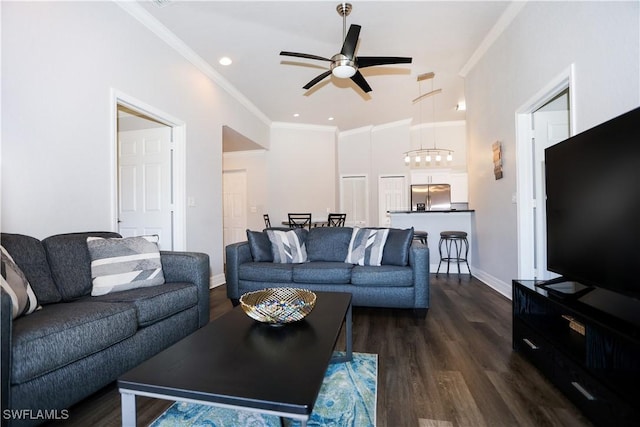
x,y
191,202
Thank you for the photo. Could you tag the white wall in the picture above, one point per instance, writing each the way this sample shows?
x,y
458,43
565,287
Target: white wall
x,y
60,61
301,171
601,39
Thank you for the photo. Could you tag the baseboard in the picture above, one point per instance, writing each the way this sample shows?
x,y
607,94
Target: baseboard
x,y
493,282
216,280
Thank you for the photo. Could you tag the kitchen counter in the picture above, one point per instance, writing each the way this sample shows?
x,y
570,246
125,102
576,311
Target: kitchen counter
x,y
433,222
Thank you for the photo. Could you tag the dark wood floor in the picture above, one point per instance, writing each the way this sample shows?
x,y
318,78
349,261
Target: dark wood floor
x,y
453,368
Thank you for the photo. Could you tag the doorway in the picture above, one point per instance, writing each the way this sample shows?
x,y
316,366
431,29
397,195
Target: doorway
x,y
545,120
392,196
149,173
234,188
354,199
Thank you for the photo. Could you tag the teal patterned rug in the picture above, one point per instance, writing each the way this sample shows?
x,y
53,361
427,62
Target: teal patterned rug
x,y
347,398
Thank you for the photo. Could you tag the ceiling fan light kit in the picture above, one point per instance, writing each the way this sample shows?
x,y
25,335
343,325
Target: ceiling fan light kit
x,y
345,64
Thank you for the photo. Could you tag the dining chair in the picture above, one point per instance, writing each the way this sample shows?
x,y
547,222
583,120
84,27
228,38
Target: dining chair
x,y
336,219
300,220
267,221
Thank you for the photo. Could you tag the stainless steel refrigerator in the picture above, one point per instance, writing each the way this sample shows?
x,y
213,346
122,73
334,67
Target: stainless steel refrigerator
x,y
430,197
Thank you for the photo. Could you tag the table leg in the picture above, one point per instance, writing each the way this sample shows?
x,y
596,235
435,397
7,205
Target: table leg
x,y
128,409
348,319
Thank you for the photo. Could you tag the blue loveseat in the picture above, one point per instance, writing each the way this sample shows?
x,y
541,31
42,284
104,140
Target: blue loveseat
x,y
77,344
401,281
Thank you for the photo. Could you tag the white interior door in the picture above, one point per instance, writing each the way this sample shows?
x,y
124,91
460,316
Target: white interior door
x,y
392,196
234,188
354,200
549,128
145,193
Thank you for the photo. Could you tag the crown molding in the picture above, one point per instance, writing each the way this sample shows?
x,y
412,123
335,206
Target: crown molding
x,y
496,31
453,123
156,27
302,126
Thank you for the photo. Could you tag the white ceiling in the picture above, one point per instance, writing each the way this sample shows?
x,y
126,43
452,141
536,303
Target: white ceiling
x,y
440,36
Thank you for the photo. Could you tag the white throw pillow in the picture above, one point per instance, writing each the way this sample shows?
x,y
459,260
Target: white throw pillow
x,y
119,264
366,246
14,283
286,247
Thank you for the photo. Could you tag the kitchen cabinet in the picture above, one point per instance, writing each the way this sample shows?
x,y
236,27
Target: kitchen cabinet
x,y
457,180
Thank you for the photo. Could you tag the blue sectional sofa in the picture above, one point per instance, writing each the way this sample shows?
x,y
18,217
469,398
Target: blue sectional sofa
x,y
401,281
77,343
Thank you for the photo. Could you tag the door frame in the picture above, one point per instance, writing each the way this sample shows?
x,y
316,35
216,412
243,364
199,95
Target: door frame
x,y
524,155
178,176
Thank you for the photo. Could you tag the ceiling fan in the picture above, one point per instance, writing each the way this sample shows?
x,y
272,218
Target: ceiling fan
x,y
345,64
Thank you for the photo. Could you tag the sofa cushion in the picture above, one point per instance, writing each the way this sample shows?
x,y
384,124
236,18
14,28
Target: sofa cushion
x,y
120,264
61,334
287,247
396,249
385,275
155,303
265,272
322,272
328,243
14,283
31,257
260,246
366,246
70,262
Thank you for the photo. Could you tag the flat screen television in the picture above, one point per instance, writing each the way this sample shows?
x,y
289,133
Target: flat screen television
x,y
593,206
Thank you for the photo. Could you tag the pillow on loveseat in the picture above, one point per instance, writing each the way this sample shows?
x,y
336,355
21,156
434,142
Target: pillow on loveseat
x,y
260,246
366,246
397,247
14,283
287,247
119,264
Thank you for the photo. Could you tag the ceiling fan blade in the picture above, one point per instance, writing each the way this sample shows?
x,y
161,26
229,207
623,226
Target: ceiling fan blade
x,y
304,55
358,79
350,42
369,61
316,80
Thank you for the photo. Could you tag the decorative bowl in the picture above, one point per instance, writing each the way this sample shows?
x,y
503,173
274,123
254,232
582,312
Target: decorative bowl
x,y
277,306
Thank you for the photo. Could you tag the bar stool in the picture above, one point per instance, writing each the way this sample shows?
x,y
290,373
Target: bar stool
x,y
453,240
421,236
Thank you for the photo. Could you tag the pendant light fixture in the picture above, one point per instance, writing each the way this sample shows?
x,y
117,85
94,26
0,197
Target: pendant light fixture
x,y
428,154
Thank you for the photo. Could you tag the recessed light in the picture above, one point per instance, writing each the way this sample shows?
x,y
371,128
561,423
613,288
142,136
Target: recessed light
x,y
330,118
225,60
296,115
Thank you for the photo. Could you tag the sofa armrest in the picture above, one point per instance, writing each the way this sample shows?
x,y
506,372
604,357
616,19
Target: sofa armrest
x,y
419,262
6,320
236,254
190,267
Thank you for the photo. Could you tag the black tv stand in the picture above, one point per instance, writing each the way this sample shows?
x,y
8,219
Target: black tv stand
x,y
588,351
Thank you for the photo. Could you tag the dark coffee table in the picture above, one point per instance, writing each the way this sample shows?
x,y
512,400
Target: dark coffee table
x,y
236,362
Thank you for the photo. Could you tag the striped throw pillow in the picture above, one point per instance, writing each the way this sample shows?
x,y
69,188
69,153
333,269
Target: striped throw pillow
x,y
286,247
14,283
366,246
119,264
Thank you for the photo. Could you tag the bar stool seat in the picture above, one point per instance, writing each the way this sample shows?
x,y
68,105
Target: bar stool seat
x,y
453,242
420,236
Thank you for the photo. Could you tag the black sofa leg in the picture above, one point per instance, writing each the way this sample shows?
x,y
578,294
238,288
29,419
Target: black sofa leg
x,y
235,302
